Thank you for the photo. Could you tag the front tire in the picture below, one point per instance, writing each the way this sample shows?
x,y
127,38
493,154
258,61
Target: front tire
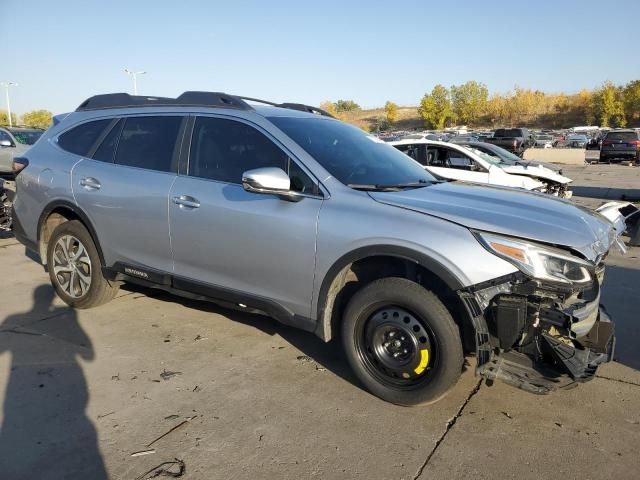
x,y
75,268
401,342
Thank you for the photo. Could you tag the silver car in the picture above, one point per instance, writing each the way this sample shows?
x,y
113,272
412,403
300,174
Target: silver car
x,y
15,141
285,211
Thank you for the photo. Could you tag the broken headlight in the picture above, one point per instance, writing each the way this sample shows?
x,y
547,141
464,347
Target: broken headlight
x,y
539,261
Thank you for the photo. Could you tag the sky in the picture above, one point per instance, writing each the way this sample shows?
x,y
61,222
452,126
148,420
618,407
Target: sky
x,y
62,52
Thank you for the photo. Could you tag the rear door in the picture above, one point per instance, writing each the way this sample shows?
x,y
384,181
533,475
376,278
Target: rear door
x,y
123,186
234,241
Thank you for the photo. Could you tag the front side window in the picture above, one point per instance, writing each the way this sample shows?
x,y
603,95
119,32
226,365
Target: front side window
x,y
349,155
149,142
224,149
81,139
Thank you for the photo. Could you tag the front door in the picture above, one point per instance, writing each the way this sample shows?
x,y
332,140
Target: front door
x,y
228,238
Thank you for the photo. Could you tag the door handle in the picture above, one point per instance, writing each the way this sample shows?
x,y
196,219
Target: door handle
x,y
185,201
90,183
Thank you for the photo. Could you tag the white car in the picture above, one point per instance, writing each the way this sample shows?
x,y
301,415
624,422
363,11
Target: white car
x,y
455,162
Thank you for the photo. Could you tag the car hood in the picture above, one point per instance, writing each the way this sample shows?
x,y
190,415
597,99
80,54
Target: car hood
x,y
508,211
536,171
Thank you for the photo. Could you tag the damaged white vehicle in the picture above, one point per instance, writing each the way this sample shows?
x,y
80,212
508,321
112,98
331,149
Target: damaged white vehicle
x,y
448,161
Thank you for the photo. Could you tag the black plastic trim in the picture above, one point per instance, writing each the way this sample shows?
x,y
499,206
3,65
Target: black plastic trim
x,y
376,251
19,233
149,277
79,213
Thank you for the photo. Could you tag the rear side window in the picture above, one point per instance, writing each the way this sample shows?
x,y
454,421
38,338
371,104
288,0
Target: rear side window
x,y
149,142
81,139
107,149
625,136
224,149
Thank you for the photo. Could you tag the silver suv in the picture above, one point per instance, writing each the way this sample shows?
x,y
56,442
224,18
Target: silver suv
x,y
283,210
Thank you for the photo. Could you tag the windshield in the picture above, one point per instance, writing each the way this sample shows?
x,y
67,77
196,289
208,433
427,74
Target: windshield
x,y
501,155
349,155
26,137
487,158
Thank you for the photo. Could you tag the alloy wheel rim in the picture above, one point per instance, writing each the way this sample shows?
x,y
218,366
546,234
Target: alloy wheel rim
x,y
72,266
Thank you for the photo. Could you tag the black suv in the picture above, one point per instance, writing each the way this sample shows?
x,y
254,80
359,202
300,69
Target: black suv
x,y
621,145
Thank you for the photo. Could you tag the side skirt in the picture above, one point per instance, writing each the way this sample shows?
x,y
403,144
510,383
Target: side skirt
x,y
121,272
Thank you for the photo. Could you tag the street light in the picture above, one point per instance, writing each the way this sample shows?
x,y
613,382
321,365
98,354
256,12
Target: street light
x,y
134,75
6,86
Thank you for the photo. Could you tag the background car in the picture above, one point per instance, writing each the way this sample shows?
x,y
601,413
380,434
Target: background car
x,y
577,141
621,145
449,161
14,141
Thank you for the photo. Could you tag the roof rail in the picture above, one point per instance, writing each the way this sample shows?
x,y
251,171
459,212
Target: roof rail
x,y
201,99
291,106
305,108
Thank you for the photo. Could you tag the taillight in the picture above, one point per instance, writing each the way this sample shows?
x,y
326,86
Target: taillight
x,y
19,164
606,142
635,142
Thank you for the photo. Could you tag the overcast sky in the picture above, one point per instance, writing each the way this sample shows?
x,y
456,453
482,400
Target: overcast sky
x,y
61,52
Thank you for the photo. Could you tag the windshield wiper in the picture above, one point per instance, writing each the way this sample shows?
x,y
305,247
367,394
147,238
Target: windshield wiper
x,y
389,188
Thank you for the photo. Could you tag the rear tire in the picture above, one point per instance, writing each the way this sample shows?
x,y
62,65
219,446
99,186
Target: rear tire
x,y
387,327
75,268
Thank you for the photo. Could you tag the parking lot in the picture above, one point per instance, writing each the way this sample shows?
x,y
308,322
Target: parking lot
x,y
151,378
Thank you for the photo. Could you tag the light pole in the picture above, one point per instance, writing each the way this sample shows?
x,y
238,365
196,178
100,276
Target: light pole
x,y
6,86
134,75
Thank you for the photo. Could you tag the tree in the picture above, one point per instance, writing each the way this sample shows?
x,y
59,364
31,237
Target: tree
x,y
4,118
329,107
391,112
37,119
584,105
631,94
346,106
469,101
435,108
608,106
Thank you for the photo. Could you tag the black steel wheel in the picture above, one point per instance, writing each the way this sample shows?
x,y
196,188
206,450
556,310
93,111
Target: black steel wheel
x,y
401,342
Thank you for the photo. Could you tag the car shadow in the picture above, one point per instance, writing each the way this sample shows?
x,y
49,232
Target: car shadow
x,y
326,355
45,432
609,193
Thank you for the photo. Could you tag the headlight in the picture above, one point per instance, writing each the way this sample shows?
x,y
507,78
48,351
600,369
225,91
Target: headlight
x,y
538,261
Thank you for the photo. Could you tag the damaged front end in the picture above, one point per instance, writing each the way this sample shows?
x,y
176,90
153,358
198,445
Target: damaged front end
x,y
539,334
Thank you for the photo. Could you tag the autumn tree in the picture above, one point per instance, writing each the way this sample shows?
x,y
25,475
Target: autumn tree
x,y
4,118
631,94
391,112
37,119
346,106
329,107
608,105
469,101
435,108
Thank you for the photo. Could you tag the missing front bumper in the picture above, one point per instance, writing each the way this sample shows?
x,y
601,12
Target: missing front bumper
x,y
564,365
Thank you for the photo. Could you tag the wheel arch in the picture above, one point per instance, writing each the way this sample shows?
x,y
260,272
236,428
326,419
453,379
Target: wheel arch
x,y
56,213
334,294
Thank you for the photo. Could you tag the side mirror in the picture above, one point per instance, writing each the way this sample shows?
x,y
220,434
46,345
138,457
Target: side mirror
x,y
5,143
269,180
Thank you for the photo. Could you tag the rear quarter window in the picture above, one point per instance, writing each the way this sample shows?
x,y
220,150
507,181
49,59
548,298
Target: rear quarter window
x,y
81,139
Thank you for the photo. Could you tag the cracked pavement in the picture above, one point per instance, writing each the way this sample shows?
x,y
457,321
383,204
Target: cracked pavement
x,y
249,398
